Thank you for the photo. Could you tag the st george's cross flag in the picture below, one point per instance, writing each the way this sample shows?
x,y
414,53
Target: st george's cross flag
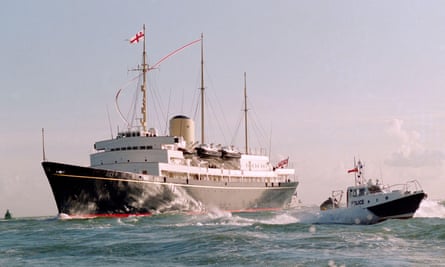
x,y
138,37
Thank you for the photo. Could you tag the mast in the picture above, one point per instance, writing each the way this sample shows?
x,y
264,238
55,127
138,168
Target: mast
x,y
144,86
202,89
245,114
355,173
43,144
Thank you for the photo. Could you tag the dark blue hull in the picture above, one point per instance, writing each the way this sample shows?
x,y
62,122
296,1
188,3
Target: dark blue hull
x,y
402,208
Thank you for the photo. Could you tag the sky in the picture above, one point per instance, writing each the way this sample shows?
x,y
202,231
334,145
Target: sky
x,y
327,82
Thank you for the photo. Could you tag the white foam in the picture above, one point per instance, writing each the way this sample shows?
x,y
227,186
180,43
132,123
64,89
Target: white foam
x,y
216,213
63,216
281,219
347,216
430,209
334,216
128,221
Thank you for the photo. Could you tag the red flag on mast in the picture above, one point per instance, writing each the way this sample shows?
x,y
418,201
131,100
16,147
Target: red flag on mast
x,y
283,163
353,170
138,37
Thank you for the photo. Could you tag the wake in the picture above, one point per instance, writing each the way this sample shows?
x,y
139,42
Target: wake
x,y
431,209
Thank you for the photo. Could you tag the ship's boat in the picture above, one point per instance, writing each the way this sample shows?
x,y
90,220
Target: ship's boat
x,y
209,151
230,152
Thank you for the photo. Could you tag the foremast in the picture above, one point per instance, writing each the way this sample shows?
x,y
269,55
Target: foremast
x,y
202,89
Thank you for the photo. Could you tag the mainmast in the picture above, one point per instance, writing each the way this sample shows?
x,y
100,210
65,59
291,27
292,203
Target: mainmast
x,y
144,86
202,89
245,114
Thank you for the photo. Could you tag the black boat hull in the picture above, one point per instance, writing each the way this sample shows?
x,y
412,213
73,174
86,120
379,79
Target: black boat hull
x,y
401,208
91,192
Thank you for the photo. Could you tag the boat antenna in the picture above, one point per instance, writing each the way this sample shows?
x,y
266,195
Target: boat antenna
x,y
355,173
144,86
245,114
43,144
202,89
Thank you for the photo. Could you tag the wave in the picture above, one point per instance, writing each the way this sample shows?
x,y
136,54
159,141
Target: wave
x,y
281,219
301,215
311,215
431,209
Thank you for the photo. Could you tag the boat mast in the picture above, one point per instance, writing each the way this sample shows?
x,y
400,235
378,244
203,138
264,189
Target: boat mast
x,y
355,173
202,89
245,114
144,86
43,144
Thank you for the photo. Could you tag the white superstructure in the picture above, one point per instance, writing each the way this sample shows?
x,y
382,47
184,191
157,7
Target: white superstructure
x,y
164,156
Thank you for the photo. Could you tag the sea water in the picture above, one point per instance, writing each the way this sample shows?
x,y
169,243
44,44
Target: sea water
x,y
284,238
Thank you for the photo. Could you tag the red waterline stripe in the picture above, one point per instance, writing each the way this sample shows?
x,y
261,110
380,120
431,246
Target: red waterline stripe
x,y
126,215
105,215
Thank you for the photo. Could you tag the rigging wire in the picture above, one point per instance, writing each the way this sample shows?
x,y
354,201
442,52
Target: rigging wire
x,y
255,127
155,101
168,111
117,97
236,132
259,131
109,122
134,104
217,119
238,125
159,112
173,53
217,110
195,105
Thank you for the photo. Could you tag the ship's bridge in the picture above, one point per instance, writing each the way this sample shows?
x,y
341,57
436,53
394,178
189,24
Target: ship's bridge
x,y
133,147
133,141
